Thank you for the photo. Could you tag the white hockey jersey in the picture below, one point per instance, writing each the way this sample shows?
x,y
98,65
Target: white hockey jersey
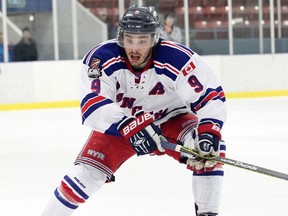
x,y
175,81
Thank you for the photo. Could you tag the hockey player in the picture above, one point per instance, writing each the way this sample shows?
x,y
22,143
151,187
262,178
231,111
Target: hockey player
x,y
136,91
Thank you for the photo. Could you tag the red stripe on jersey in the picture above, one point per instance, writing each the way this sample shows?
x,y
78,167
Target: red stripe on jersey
x,y
176,46
91,102
168,66
111,61
221,94
209,97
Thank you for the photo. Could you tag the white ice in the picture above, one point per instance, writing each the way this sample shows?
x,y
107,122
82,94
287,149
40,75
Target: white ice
x,y
37,147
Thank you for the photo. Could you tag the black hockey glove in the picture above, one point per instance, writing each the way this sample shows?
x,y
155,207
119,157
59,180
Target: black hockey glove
x,y
208,144
143,135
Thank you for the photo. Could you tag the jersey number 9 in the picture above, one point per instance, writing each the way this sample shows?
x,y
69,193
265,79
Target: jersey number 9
x,y
195,84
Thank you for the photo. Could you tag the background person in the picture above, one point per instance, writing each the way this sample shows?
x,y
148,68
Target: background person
x,y
26,49
111,27
169,31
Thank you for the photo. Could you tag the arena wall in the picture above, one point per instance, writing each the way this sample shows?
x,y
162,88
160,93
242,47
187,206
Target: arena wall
x,y
48,84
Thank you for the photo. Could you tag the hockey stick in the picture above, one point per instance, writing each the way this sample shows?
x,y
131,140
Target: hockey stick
x,y
225,160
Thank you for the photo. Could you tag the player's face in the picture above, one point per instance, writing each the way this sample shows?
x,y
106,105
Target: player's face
x,y
137,48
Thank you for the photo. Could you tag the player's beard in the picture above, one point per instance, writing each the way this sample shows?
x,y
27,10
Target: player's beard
x,y
142,64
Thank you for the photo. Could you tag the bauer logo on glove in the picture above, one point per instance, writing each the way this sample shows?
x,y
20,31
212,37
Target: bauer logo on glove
x,y
140,122
143,135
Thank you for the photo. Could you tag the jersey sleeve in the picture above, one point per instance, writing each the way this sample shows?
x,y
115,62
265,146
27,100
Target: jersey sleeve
x,y
98,91
201,91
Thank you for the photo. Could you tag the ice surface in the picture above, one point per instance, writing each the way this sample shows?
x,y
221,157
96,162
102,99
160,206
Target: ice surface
x,y
37,147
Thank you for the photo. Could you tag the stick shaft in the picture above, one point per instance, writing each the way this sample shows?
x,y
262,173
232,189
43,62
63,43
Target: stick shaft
x,y
225,160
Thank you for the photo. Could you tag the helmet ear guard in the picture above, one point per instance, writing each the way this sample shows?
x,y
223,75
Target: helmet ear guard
x,y
139,20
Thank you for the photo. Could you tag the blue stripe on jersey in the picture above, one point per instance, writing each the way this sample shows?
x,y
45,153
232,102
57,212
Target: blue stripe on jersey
x,y
186,48
210,94
170,58
112,130
76,188
64,201
212,173
104,51
94,107
211,121
117,65
165,72
173,48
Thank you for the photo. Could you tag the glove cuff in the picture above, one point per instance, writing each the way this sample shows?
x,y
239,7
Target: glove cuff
x,y
130,126
210,128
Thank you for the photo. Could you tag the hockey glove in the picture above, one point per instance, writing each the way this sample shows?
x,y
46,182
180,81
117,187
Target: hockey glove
x,y
207,145
143,135
200,165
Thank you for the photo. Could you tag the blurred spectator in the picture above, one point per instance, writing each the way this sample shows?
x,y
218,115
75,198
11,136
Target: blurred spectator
x,y
170,31
25,49
10,50
111,27
112,30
